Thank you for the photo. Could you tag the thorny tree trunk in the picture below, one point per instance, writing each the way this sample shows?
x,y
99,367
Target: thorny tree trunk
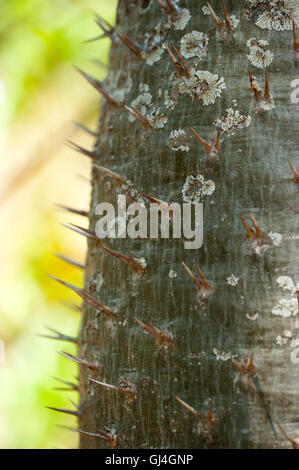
x,y
251,176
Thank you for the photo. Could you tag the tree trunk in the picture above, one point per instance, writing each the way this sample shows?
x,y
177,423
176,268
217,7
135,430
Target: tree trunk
x,y
251,176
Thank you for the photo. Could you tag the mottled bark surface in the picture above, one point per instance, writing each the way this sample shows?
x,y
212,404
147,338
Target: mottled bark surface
x,y
251,176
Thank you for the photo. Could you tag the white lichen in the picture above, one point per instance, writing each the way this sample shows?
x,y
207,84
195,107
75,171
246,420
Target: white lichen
x,y
180,21
222,356
275,15
286,283
196,189
144,87
142,262
252,316
267,104
179,141
128,189
195,44
232,280
206,10
234,22
283,339
118,85
232,122
259,55
262,102
276,238
154,45
158,120
201,85
169,103
172,274
143,103
286,308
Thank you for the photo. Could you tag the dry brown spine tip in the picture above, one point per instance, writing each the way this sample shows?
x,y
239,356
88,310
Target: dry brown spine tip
x,y
59,336
103,66
215,17
204,287
72,306
95,38
246,367
295,172
213,147
162,204
249,231
296,39
106,27
138,116
85,129
130,44
182,61
209,419
179,63
169,8
72,210
258,234
207,147
126,388
101,308
253,85
164,340
71,387
64,410
294,442
80,149
111,439
70,261
267,95
134,263
163,6
226,16
120,179
98,86
83,231
81,362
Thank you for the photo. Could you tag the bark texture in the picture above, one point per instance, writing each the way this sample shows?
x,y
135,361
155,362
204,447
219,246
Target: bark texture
x,y
251,176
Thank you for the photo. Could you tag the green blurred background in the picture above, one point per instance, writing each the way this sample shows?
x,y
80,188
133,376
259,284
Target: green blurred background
x,y
40,96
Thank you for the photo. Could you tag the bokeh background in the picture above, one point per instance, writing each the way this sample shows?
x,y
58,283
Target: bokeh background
x,y
40,95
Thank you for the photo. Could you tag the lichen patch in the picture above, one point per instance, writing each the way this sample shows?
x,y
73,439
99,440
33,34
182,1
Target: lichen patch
x,y
196,188
194,44
277,15
259,54
201,85
179,141
232,122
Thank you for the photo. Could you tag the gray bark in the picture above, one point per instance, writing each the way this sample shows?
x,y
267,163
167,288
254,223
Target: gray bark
x,y
251,176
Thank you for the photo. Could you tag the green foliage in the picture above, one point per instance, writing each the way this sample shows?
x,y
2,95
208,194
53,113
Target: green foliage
x,y
40,41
